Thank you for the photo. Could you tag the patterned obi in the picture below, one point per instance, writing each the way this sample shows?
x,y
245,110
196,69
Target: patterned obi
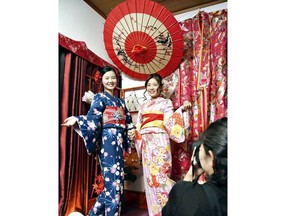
x,y
114,115
152,120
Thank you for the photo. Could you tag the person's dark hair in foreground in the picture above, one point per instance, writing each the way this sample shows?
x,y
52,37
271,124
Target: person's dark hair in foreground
x,y
193,196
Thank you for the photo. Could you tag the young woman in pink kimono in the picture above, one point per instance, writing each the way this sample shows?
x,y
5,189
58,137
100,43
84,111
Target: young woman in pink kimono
x,y
156,124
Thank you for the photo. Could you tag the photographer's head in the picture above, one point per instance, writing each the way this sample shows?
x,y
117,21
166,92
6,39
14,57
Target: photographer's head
x,y
212,150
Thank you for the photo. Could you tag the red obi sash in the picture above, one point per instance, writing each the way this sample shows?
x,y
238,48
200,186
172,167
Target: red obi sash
x,y
152,117
114,115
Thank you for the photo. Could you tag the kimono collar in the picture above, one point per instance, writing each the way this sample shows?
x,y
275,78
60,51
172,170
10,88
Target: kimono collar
x,y
109,96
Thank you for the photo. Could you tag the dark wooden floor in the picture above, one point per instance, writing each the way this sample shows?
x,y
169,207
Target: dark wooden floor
x,y
134,204
133,211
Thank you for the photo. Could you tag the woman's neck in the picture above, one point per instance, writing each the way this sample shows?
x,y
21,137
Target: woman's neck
x,y
111,92
153,98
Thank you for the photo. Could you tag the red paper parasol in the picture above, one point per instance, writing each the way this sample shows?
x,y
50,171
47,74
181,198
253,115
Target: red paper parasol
x,y
142,37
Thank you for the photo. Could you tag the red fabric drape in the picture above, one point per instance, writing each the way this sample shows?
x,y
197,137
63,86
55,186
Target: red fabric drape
x,y
77,170
80,49
73,158
202,78
63,134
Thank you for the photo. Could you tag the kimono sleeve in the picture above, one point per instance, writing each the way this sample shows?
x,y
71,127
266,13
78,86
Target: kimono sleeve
x,y
174,124
90,124
138,138
129,126
129,123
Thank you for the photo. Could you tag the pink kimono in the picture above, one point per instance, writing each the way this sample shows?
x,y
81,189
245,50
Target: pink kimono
x,y
156,123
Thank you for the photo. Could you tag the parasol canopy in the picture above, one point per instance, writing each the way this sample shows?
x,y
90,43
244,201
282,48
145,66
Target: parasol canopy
x,y
143,37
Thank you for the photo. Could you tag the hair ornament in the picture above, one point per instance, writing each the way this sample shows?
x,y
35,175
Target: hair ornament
x,y
97,77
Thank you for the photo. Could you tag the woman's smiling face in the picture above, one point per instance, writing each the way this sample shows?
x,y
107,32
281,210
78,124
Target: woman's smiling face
x,y
109,81
153,88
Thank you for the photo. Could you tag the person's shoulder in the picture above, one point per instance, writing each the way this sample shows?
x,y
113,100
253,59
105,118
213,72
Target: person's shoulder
x,y
98,95
144,103
168,102
164,100
167,99
182,184
179,187
216,187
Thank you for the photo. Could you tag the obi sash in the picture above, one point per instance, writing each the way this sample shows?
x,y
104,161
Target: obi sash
x,y
114,115
153,120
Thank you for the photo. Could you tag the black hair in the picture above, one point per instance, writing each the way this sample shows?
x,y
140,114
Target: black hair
x,y
102,71
106,69
155,76
214,138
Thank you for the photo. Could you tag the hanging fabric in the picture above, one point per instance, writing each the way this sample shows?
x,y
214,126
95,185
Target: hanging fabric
x,y
132,102
202,76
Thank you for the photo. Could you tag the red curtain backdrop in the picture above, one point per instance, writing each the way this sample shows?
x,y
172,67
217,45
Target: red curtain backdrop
x,y
77,170
80,49
202,78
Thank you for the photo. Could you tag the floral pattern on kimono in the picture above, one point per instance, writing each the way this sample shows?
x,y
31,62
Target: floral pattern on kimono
x,y
202,74
153,145
106,125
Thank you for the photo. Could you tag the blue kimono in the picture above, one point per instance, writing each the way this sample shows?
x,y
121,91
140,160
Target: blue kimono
x,y
105,127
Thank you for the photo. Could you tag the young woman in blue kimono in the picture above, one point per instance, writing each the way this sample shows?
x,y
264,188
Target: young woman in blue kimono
x,y
106,124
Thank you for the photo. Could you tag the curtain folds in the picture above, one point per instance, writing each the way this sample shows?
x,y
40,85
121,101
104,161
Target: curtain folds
x,y
80,49
72,154
77,170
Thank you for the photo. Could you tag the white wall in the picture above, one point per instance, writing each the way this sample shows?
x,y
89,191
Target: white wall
x,y
78,21
190,14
